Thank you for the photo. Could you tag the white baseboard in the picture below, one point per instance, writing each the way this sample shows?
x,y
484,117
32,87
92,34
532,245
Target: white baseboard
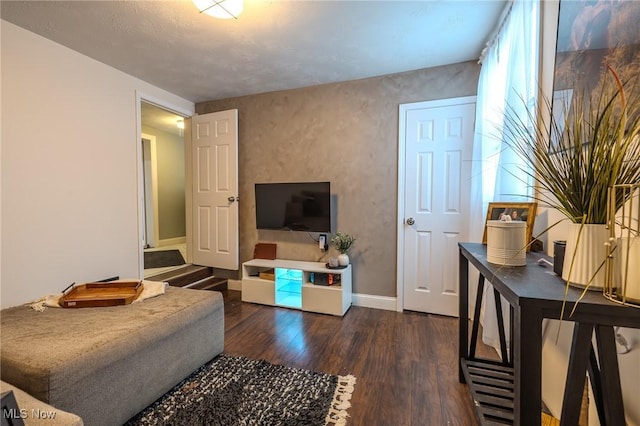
x,y
234,285
376,302
172,241
363,300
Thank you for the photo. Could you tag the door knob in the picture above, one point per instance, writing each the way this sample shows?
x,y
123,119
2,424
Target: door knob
x,y
232,199
410,221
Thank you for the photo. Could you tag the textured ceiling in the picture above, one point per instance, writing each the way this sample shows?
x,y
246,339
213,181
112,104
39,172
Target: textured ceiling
x,y
274,45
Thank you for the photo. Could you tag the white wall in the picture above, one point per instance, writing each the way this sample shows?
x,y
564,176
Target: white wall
x,y
70,129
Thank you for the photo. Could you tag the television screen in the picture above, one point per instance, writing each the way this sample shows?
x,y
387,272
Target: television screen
x,y
298,206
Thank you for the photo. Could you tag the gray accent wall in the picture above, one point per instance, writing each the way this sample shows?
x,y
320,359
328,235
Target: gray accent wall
x,y
345,133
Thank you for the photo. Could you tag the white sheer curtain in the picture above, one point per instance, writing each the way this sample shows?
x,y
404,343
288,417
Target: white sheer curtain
x,y
509,75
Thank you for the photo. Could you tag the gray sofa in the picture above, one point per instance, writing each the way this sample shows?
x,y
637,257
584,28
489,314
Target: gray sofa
x,y
106,364
34,412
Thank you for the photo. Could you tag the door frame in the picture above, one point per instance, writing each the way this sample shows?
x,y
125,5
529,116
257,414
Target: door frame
x,y
402,133
178,110
153,160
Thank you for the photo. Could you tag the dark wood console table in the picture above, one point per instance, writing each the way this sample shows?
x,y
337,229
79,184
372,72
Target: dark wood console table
x,y
509,392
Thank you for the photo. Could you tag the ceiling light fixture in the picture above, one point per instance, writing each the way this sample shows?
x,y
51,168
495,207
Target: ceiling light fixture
x,y
223,9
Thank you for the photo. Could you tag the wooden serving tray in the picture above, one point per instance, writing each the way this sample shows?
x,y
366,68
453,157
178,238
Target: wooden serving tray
x,y
101,294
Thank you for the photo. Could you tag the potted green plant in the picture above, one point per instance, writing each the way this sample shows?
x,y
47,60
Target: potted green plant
x,y
342,242
575,159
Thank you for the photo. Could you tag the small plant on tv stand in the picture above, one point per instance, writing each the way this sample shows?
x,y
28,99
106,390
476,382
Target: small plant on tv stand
x,y
343,242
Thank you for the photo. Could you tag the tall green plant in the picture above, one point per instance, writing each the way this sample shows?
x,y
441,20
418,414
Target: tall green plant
x,y
576,159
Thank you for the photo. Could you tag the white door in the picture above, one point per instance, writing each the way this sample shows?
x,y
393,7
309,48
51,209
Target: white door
x,y
434,195
214,172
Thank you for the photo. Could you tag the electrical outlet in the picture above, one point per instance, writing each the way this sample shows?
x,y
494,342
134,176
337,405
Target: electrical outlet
x,y
322,241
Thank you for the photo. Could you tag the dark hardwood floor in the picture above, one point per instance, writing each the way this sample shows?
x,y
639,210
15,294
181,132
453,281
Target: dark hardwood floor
x,y
405,363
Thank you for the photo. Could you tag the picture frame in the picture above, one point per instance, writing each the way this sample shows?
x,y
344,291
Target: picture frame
x,y
525,212
591,34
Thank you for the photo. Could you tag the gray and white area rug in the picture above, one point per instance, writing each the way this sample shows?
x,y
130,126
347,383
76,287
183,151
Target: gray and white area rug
x,y
231,391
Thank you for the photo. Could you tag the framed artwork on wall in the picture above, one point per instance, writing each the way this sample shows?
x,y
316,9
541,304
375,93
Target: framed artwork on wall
x,y
592,34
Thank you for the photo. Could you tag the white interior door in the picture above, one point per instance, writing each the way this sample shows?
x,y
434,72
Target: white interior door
x,y
214,172
434,195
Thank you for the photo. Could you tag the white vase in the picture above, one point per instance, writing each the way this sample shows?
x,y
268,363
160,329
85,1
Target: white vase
x,y
587,254
343,259
626,270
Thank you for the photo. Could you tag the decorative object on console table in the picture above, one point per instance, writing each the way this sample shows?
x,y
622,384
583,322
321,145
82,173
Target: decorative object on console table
x,y
506,240
525,212
585,255
558,256
536,245
623,248
574,156
343,242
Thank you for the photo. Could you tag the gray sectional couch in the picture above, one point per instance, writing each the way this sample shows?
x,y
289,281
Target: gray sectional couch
x,y
106,364
34,412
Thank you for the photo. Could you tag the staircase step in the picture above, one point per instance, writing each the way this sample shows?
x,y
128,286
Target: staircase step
x,y
210,283
184,276
165,275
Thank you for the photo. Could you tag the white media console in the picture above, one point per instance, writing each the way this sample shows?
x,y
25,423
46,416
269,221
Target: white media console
x,y
292,286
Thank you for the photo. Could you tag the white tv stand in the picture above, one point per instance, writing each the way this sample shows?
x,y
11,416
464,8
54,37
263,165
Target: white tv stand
x,y
292,287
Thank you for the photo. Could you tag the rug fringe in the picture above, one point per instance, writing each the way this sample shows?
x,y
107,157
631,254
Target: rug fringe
x,y
337,415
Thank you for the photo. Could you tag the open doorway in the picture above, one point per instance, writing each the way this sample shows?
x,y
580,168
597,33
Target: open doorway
x,y
163,155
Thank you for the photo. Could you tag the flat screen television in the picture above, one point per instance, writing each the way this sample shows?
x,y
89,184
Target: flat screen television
x,y
296,206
